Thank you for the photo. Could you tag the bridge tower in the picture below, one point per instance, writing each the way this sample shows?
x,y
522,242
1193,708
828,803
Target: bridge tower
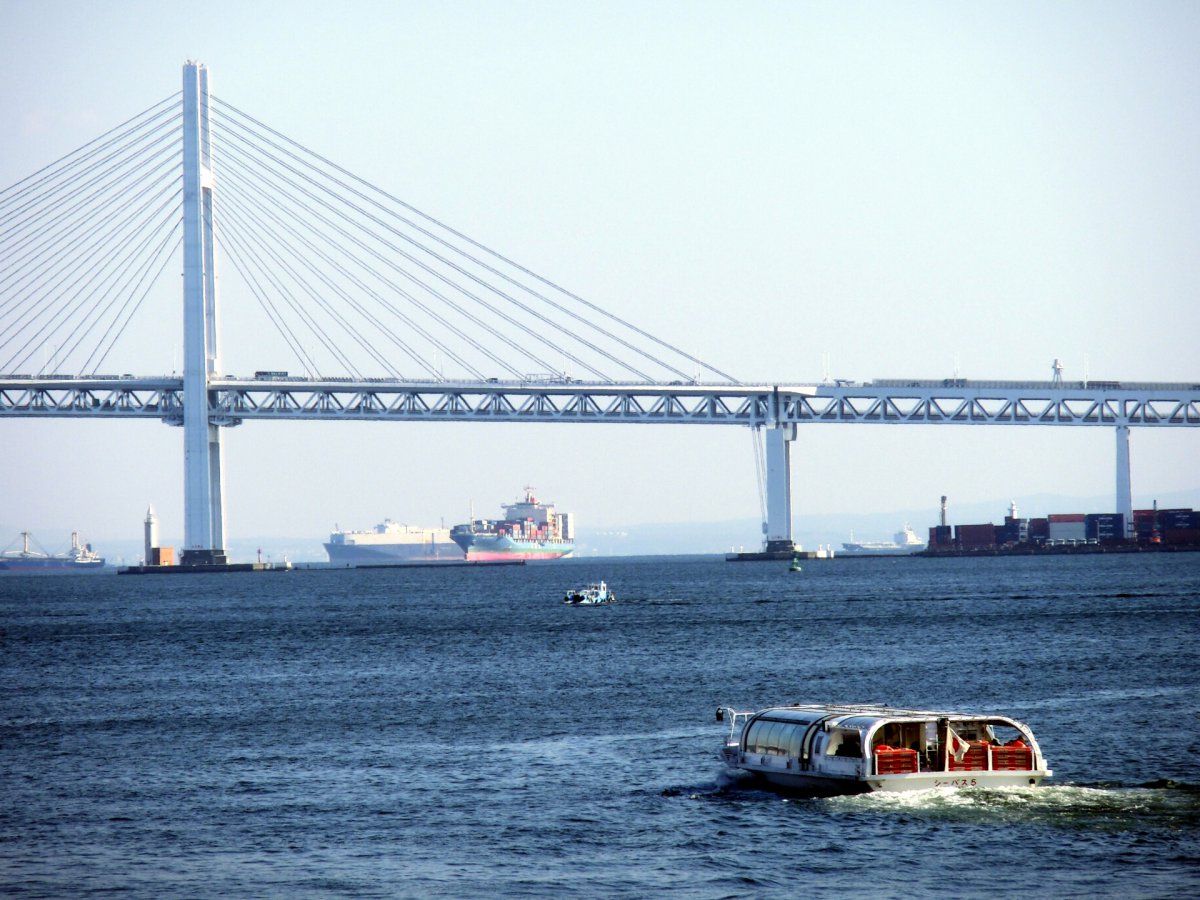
x,y
778,452
204,522
1124,489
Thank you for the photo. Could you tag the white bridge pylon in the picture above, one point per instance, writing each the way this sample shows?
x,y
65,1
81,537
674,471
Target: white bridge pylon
x,y
204,475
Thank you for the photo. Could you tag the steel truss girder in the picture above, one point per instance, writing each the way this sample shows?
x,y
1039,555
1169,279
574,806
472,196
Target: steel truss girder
x,y
120,400
486,402
967,406
234,400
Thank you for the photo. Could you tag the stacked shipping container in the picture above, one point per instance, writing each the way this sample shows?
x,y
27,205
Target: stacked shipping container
x,y
1151,527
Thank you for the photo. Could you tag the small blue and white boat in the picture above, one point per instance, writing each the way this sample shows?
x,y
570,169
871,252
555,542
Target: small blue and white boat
x,y
590,595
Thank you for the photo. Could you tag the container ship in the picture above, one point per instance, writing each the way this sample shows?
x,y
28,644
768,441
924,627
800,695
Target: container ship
x,y
80,558
1150,530
529,530
391,544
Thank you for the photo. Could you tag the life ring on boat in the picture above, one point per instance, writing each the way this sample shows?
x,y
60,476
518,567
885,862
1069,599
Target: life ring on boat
x,y
1016,743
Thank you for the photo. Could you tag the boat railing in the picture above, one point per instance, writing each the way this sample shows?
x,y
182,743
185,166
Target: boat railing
x,y
736,719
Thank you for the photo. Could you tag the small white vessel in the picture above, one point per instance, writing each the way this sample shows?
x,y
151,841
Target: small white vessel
x,y
590,595
903,543
839,749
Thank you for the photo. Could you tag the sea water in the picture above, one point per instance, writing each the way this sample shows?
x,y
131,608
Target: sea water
x,y
462,733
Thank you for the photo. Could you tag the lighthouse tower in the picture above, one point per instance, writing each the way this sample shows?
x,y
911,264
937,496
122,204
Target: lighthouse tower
x,y
151,536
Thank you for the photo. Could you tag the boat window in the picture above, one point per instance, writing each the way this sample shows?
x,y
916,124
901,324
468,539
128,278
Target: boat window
x,y
784,739
753,730
844,743
796,740
764,737
1002,735
770,738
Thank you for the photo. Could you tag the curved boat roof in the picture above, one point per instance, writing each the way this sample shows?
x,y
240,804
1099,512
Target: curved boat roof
x,y
867,713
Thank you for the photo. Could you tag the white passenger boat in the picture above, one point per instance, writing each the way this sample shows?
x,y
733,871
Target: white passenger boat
x,y
590,595
858,749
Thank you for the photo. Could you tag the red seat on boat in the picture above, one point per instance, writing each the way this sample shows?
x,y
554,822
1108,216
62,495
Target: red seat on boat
x,y
894,761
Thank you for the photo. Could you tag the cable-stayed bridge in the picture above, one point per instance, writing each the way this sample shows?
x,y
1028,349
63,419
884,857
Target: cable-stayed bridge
x,y
384,314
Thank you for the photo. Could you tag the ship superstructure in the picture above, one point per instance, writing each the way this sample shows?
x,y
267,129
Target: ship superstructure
x,y
392,543
529,530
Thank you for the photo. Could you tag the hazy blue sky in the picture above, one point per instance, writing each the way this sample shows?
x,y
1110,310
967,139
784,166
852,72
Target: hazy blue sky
x,y
902,189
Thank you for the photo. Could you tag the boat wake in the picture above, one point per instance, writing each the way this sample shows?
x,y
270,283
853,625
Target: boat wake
x,y
1157,806
1072,807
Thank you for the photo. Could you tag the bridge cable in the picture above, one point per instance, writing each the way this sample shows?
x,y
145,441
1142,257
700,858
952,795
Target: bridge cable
x,y
68,189
252,210
82,267
314,250
231,216
312,213
68,243
482,247
80,253
106,193
269,206
528,331
64,307
149,283
500,293
436,275
63,159
264,300
252,254
759,466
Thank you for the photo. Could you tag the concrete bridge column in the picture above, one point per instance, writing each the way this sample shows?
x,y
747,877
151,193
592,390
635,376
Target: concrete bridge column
x,y
1124,489
779,486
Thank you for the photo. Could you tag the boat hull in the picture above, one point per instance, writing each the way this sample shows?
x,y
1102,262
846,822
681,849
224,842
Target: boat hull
x,y
49,565
393,544
861,550
832,786
492,548
393,554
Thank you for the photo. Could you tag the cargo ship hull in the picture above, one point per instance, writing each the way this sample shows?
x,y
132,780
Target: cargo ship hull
x,y
393,544
47,565
393,554
493,548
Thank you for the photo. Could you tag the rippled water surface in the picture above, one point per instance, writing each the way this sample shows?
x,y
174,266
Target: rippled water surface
x,y
462,733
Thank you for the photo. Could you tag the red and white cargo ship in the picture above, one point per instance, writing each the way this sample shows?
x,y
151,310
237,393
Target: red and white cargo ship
x,y
530,530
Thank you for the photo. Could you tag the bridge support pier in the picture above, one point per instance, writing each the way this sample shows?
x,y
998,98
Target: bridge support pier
x,y
1124,488
779,487
204,520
